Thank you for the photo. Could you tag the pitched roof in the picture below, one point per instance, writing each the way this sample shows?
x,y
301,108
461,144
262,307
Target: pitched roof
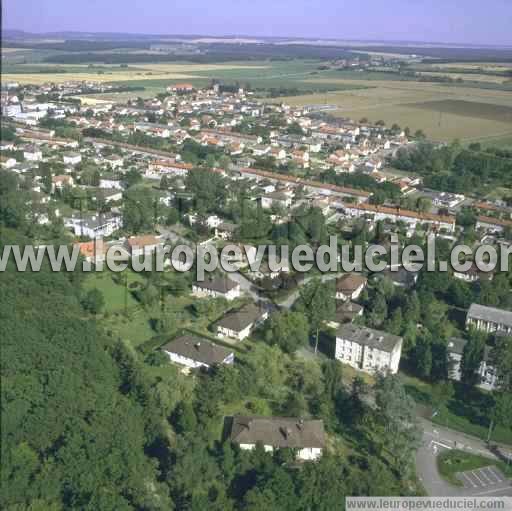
x,y
278,432
456,345
90,248
221,285
240,319
198,349
500,316
494,221
347,311
306,182
368,337
143,241
349,282
397,211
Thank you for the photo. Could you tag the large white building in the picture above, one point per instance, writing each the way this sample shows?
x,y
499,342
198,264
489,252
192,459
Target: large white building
x,y
94,226
306,436
489,319
368,350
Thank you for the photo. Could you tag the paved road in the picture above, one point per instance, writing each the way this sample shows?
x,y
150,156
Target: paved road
x,y
437,439
287,304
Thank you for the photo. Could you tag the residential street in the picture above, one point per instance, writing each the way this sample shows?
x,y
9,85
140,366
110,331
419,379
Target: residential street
x,y
435,440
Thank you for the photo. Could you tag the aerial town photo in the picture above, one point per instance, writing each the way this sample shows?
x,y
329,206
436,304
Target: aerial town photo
x,y
254,256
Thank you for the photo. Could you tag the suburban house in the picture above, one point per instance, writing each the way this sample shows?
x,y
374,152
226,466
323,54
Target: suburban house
x,y
114,161
401,277
59,182
192,352
32,153
94,226
367,349
350,286
112,195
142,245
489,319
472,274
111,184
217,287
491,224
72,158
305,436
486,371
238,324
225,230
395,214
346,312
277,198
93,251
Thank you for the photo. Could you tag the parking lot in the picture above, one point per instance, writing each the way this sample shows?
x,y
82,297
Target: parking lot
x,y
481,477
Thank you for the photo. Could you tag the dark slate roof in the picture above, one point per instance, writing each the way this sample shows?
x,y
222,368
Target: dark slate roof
x,y
402,276
368,337
347,311
500,316
237,320
221,285
198,349
456,345
227,227
278,432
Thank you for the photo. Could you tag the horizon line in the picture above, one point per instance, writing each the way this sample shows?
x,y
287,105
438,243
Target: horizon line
x,y
284,37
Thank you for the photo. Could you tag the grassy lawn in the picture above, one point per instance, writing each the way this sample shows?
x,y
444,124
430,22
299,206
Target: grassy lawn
x,y
135,328
451,462
114,293
466,412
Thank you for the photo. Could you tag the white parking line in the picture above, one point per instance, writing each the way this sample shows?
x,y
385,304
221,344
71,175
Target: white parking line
x,y
465,476
491,475
496,474
485,476
474,474
435,442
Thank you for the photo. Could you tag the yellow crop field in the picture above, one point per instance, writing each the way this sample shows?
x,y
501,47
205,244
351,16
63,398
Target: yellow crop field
x,y
140,72
442,112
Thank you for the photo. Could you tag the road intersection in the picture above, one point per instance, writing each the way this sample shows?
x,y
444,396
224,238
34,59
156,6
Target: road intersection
x,y
482,482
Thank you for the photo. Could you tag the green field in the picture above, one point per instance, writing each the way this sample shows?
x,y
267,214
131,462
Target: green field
x,y
113,293
488,111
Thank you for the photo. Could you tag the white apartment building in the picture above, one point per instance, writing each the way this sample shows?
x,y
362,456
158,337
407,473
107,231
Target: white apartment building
x,y
368,350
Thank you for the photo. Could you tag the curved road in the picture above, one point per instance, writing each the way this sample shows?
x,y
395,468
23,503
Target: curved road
x,y
435,440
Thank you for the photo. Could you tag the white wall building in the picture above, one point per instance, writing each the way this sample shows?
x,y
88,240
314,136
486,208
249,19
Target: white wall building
x,y
368,350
